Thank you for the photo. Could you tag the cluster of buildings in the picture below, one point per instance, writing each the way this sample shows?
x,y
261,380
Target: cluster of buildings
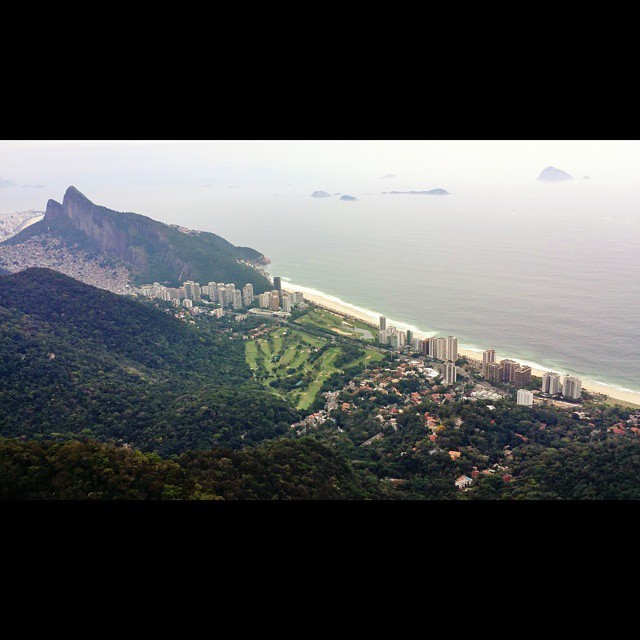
x,y
504,371
445,349
226,295
520,375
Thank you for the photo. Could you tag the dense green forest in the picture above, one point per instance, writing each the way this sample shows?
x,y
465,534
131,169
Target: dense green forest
x,y
79,360
281,470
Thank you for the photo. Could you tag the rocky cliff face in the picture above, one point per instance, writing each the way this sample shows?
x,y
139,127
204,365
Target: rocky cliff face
x,y
150,250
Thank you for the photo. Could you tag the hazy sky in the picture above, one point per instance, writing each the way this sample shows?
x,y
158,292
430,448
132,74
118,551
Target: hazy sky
x,y
108,170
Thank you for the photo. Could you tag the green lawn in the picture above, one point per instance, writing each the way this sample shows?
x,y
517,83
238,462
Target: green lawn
x,y
292,349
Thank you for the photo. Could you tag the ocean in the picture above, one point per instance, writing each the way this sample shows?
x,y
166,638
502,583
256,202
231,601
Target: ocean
x,y
547,273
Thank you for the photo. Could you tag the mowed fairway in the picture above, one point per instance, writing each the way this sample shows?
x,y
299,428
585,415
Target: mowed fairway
x,y
285,357
341,325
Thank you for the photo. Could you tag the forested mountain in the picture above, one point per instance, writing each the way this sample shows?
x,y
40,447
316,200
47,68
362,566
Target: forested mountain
x,y
76,359
284,470
150,250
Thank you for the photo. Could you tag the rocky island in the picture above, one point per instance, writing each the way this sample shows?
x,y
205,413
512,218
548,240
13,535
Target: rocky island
x,y
320,194
346,197
431,192
551,174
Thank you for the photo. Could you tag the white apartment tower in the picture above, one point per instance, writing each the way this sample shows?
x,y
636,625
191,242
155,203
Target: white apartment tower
x,y
450,372
286,302
236,299
192,290
263,300
383,323
247,294
572,387
551,383
524,397
488,356
213,291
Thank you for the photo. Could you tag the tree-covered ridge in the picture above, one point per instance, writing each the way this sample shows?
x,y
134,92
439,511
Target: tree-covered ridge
x,y
150,250
75,359
87,470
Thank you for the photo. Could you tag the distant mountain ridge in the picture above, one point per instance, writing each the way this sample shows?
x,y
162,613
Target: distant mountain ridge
x,y
150,250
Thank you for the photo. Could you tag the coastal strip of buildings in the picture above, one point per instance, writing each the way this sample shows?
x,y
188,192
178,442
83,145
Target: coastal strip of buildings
x,y
226,296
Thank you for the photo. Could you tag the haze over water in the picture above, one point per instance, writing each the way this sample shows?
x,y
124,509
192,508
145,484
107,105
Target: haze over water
x,y
544,272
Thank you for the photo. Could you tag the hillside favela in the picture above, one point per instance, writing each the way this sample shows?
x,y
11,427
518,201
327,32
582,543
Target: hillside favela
x,y
354,320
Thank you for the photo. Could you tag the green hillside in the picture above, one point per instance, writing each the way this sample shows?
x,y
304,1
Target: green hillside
x,y
79,360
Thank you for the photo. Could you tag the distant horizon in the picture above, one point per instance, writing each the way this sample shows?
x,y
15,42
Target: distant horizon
x,y
33,171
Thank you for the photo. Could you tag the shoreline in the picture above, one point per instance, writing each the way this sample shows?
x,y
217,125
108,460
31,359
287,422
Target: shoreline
x,y
334,303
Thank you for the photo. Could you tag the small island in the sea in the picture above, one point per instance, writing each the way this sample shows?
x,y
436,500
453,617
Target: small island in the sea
x,y
346,197
386,176
431,192
320,194
551,174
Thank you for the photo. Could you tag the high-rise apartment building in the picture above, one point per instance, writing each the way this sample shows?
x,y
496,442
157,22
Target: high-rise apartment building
x,y
572,387
383,323
495,372
264,300
551,383
524,397
298,297
236,299
274,299
397,339
213,291
509,369
277,284
383,336
450,372
409,336
192,290
416,345
286,302
222,294
247,294
451,348
488,356
522,376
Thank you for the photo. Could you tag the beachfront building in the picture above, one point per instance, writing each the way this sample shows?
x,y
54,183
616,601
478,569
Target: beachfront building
x,y
264,300
383,336
397,338
247,294
409,336
509,369
551,383
495,372
522,376
274,300
488,356
298,297
450,373
572,387
277,284
416,345
286,302
524,398
383,323
443,348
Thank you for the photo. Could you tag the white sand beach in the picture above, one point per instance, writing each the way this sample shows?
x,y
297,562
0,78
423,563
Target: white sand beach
x,y
340,306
